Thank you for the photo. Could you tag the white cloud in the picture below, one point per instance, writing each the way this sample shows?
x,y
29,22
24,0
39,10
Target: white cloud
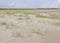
x,y
11,4
58,0
54,4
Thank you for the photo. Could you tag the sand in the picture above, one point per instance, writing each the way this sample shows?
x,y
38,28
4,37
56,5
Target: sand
x,y
34,30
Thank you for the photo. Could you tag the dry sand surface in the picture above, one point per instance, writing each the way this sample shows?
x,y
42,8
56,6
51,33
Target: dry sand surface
x,y
33,30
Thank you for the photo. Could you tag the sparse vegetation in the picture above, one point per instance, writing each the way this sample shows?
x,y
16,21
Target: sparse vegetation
x,y
20,18
27,18
28,23
7,25
41,16
35,31
16,34
3,23
56,24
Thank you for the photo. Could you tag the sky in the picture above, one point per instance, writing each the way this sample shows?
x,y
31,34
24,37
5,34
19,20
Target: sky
x,y
29,3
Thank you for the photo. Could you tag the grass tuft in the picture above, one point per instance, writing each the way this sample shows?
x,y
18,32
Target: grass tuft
x,y
3,23
16,34
35,31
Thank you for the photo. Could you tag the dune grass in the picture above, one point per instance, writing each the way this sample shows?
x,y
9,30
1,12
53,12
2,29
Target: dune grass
x,y
49,17
56,24
35,31
3,23
7,25
16,34
41,16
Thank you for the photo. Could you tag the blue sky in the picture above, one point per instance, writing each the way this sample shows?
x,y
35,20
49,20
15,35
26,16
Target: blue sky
x,y
29,3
